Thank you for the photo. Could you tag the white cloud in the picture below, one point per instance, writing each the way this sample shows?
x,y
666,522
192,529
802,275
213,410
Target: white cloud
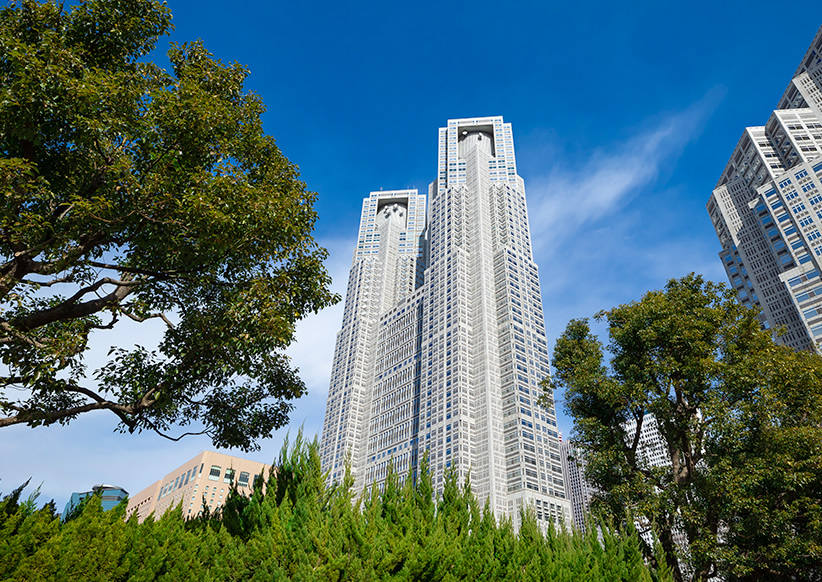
x,y
87,452
595,248
313,350
571,196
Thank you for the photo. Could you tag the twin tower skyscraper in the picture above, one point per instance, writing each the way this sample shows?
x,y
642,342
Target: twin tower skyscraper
x,y
442,346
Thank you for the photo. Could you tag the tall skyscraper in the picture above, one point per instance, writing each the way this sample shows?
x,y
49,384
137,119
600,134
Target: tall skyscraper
x,y
652,452
767,210
580,492
443,344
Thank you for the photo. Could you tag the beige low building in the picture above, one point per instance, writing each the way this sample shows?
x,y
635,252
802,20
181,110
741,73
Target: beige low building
x,y
209,475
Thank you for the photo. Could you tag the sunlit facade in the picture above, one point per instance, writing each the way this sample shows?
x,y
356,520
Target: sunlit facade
x,y
443,343
767,211
204,481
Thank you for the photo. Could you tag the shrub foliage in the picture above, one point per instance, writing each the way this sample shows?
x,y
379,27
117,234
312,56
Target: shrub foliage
x,y
297,528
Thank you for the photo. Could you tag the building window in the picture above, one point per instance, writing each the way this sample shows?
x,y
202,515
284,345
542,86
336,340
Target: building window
x,y
229,476
243,479
214,475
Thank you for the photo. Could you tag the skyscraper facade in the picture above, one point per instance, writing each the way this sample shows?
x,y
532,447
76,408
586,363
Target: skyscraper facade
x,y
580,492
651,452
443,343
767,210
387,269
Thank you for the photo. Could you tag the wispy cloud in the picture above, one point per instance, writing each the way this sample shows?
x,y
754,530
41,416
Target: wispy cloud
x,y
594,248
72,458
576,194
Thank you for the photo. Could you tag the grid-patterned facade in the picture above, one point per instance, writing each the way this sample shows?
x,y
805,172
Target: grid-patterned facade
x,y
652,451
205,480
579,491
452,366
387,266
767,210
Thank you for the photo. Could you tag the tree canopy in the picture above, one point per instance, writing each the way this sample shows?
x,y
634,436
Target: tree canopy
x,y
135,193
741,418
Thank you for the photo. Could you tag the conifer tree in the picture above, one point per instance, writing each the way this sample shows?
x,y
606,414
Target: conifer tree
x,y
299,529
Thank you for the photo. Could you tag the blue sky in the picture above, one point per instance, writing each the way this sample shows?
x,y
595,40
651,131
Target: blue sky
x,y
624,115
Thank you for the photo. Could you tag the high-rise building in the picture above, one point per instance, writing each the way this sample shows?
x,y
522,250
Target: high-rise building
x,y
205,479
443,345
387,268
110,497
652,451
580,492
767,210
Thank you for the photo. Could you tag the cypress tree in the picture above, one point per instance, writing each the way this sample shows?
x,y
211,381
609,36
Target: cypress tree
x,y
298,529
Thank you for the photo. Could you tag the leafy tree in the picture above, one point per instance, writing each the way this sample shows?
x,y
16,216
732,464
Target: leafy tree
x,y
766,470
135,193
741,418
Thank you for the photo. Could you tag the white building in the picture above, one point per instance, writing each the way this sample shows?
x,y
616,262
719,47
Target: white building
x,y
652,451
767,210
387,267
443,344
580,492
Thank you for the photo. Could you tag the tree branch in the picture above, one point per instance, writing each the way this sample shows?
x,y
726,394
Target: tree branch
x,y
136,271
14,335
14,270
8,380
126,413
154,428
66,279
139,319
100,400
55,416
115,317
70,309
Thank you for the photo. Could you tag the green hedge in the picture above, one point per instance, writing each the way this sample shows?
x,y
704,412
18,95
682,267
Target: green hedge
x,y
299,529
